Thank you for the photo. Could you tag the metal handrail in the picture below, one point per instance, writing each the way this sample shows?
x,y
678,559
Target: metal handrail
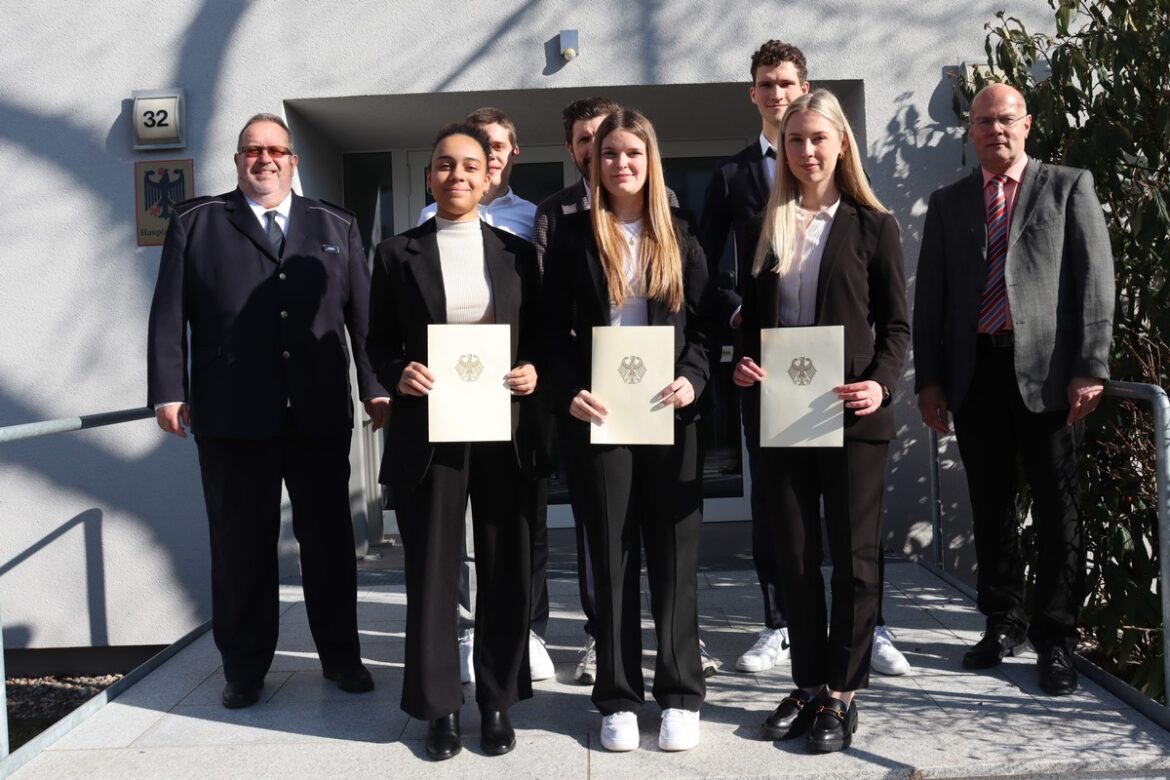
x,y
12,433
1160,404
9,433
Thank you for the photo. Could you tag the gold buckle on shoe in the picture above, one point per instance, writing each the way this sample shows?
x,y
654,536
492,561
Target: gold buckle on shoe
x,y
832,711
798,703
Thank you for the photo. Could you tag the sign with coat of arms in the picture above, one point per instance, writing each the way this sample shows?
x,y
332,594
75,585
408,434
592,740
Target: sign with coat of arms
x,y
159,185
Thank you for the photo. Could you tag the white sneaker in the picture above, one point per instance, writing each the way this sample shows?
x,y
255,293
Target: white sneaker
x,y
540,666
466,650
769,649
679,730
587,668
619,732
711,664
886,658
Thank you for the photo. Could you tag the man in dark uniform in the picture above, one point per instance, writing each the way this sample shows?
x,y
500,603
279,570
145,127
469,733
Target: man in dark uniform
x,y
269,283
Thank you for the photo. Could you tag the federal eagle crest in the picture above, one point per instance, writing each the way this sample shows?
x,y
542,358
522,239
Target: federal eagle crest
x,y
632,370
802,371
469,367
162,189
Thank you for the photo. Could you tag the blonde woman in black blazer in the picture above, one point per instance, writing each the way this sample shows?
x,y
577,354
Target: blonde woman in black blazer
x,y
822,203
433,274
628,261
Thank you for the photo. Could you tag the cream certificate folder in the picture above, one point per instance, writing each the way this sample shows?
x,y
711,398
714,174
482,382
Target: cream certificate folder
x,y
798,407
631,366
469,400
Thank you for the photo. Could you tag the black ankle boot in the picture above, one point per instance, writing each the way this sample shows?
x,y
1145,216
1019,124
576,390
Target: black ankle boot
x,y
443,737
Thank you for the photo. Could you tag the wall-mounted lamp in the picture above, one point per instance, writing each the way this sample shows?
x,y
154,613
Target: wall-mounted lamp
x,y
569,44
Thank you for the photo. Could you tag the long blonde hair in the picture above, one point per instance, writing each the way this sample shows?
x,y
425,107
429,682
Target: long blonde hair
x,y
779,236
659,260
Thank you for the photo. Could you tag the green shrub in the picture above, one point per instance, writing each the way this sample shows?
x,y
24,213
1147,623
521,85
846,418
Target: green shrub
x,y
1099,94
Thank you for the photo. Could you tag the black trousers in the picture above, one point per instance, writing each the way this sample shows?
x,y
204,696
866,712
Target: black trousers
x,y
241,485
570,442
430,519
998,435
762,557
828,649
652,495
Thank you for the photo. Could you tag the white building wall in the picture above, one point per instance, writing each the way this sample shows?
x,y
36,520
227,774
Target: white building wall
x,y
76,289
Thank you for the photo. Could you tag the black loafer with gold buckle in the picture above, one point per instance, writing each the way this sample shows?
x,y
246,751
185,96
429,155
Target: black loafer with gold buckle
x,y
793,716
833,728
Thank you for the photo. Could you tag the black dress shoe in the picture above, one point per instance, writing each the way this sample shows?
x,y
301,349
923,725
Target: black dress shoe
x,y
991,649
237,695
833,728
1058,677
794,715
443,737
356,679
496,731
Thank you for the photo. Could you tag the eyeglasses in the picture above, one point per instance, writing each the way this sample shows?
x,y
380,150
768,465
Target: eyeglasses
x,y
988,122
275,152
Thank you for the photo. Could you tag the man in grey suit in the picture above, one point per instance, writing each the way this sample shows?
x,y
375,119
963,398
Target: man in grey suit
x,y
1013,317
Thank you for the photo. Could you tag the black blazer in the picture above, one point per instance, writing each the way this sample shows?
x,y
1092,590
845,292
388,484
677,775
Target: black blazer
x,y
406,295
575,298
736,196
265,331
862,286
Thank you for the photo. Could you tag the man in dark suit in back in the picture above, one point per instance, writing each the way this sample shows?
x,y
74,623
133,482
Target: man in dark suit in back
x,y
1013,316
735,198
269,283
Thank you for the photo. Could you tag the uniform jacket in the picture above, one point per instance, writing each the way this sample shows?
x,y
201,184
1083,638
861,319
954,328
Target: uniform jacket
x,y
267,332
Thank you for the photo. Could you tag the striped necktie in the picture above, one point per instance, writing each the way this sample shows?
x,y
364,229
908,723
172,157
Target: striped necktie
x,y
993,309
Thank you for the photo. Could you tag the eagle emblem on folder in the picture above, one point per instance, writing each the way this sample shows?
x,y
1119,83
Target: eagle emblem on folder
x,y
802,371
469,367
632,370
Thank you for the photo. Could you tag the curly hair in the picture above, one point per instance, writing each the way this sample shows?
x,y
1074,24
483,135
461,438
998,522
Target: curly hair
x,y
775,52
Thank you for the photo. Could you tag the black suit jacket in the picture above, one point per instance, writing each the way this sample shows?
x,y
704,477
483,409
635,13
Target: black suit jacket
x,y
575,298
736,196
265,331
862,287
406,295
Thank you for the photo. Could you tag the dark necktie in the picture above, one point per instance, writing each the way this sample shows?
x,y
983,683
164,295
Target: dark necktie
x,y
993,306
275,234
770,153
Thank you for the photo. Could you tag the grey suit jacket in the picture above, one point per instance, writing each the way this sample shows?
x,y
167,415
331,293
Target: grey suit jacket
x,y
1059,276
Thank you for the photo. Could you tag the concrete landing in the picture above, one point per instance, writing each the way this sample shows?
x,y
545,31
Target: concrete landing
x,y
937,721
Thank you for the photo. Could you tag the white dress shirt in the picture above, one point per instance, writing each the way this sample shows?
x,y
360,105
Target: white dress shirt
x,y
282,210
508,212
798,286
769,162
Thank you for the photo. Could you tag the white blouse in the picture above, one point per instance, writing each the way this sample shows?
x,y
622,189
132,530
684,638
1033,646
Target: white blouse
x,y
798,286
633,310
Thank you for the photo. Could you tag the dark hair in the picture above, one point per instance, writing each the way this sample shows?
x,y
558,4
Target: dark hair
x,y
775,52
474,132
583,110
487,115
264,117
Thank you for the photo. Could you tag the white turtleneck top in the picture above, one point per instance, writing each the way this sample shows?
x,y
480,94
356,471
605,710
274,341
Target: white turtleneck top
x,y
465,276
